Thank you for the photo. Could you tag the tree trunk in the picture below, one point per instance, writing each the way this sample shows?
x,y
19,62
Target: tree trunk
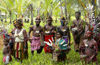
x,y
65,9
31,17
28,18
10,16
5,17
31,8
16,16
98,3
0,14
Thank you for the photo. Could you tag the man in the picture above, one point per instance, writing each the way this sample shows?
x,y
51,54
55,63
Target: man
x,y
36,39
78,29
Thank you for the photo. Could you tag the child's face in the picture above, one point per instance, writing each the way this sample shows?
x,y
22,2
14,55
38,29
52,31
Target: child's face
x,y
58,36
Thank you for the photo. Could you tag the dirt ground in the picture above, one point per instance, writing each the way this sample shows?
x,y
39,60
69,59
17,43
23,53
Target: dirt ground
x,y
1,42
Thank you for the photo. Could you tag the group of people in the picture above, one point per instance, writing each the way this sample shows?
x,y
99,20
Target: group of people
x,y
54,40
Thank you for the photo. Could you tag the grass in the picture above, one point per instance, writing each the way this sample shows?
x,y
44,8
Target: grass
x,y
73,58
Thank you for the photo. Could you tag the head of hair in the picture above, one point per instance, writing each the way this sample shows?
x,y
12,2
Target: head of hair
x,y
62,18
19,22
49,18
38,18
60,32
78,12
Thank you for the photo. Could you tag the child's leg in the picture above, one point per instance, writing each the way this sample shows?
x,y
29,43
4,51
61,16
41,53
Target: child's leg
x,y
26,54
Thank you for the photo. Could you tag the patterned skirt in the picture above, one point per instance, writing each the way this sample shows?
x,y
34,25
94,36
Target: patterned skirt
x,y
35,45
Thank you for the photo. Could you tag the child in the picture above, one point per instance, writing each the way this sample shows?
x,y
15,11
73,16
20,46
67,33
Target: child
x,y
6,52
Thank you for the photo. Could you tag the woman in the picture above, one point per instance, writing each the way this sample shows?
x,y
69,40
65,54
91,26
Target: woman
x,y
20,36
49,33
36,36
89,48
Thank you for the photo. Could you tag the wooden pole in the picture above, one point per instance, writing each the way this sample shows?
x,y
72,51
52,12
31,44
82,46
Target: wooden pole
x,y
31,8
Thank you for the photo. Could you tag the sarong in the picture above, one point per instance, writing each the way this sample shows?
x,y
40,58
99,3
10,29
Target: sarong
x,y
19,50
35,45
65,38
47,49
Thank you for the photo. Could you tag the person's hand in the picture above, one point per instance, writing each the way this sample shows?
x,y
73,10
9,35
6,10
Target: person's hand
x,y
50,43
30,40
17,36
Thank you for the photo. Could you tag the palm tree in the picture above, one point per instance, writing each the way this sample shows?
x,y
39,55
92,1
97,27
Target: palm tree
x,y
12,6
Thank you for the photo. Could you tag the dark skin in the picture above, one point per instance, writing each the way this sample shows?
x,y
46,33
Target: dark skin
x,y
77,16
78,28
78,23
37,30
91,45
57,37
6,49
49,27
65,30
19,27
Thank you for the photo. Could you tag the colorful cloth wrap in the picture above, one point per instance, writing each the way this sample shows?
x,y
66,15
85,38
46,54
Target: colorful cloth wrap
x,y
62,44
65,38
19,50
47,49
35,45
